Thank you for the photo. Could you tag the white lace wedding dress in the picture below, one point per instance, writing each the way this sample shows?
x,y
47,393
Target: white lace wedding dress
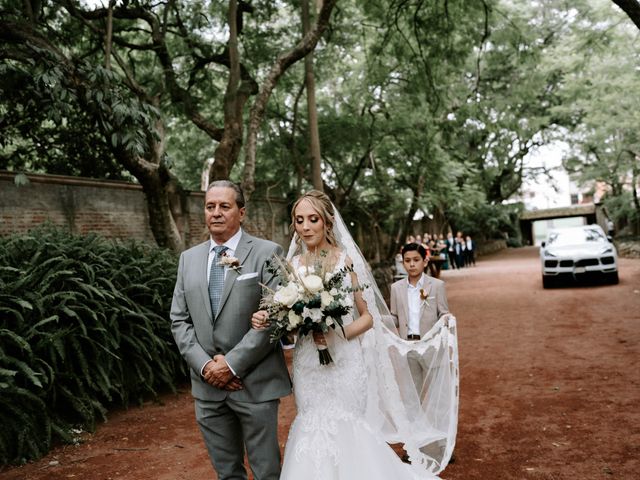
x,y
329,438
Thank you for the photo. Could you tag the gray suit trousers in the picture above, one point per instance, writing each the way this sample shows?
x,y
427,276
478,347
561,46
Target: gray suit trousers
x,y
223,425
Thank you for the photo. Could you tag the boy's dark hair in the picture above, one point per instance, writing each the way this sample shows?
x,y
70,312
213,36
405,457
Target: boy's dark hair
x,y
414,247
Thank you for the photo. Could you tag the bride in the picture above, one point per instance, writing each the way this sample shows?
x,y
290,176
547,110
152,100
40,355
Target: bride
x,y
348,411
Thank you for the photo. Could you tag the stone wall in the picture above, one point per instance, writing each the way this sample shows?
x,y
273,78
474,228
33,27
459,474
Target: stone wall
x,y
116,209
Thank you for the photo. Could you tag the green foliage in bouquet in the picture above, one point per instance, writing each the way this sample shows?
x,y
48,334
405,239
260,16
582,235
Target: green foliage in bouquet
x,y
84,324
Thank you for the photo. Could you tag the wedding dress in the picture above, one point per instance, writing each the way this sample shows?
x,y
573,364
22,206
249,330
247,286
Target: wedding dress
x,y
329,438
350,410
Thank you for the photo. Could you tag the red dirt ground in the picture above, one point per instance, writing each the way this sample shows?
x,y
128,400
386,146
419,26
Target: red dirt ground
x,y
550,389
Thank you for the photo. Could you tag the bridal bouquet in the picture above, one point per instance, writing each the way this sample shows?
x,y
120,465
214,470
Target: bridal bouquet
x,y
311,299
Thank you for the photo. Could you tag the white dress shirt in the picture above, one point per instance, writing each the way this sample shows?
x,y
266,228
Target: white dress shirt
x,y
414,302
232,245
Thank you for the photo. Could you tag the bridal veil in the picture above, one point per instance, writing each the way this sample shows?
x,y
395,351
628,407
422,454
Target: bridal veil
x,y
422,417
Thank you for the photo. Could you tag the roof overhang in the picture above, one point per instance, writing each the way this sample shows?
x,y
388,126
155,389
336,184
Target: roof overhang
x,y
560,212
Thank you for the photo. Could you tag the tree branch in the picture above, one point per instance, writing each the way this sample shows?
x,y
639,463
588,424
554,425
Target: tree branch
x,y
283,62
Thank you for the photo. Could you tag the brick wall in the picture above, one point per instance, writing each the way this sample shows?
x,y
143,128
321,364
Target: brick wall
x,y
116,209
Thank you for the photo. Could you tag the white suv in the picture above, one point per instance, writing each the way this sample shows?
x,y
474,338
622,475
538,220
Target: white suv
x,y
577,253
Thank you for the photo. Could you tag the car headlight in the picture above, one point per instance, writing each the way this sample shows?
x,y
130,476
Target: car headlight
x,y
607,250
548,253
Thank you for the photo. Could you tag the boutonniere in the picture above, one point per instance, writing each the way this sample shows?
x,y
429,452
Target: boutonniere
x,y
230,262
424,297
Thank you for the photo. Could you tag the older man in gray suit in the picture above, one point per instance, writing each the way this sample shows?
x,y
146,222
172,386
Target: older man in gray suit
x,y
237,375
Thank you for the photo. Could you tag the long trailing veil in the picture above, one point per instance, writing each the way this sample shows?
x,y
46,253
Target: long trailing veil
x,y
424,419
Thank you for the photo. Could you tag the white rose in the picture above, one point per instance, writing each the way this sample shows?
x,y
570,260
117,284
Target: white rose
x,y
313,283
333,292
347,301
325,299
315,314
294,319
287,295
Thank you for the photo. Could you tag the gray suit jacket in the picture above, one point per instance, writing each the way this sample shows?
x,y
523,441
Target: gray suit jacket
x,y
429,314
259,363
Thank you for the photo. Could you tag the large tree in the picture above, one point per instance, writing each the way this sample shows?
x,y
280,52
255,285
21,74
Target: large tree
x,y
162,60
605,144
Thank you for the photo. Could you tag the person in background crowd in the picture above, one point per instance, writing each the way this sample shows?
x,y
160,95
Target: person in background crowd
x,y
470,252
460,247
434,246
400,271
451,250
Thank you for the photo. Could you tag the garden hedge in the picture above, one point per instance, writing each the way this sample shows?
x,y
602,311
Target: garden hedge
x,y
84,325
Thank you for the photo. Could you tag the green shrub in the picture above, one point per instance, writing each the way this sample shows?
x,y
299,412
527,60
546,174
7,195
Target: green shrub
x,y
84,324
514,242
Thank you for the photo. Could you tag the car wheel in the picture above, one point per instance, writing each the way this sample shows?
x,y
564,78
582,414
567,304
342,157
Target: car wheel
x,y
548,282
612,278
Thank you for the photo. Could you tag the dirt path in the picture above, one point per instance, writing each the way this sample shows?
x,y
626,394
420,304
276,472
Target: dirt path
x,y
550,389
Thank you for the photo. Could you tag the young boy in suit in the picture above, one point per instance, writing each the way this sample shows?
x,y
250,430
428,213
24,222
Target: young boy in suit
x,y
417,302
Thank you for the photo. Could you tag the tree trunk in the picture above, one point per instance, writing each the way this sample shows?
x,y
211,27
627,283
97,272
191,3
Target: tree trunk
x,y
108,37
228,149
408,220
314,135
161,220
294,154
158,185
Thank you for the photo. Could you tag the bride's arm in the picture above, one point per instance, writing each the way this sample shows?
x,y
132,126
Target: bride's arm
x,y
365,321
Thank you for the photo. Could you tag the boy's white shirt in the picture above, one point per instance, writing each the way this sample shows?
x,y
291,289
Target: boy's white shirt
x,y
414,303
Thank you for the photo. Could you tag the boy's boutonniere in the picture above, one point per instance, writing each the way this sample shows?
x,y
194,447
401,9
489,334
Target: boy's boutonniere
x,y
423,297
230,262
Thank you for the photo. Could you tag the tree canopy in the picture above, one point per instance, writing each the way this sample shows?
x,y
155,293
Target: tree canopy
x,y
421,106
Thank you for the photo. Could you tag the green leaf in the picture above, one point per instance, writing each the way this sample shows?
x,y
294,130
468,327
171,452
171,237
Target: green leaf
x,y
25,304
8,373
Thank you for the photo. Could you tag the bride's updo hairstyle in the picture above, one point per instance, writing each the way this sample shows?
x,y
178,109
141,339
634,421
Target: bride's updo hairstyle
x,y
321,204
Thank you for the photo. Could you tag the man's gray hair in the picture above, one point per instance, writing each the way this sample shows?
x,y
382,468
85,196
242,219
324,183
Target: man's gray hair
x,y
233,186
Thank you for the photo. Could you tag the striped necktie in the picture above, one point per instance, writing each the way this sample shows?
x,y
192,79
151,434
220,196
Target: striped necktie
x,y
216,279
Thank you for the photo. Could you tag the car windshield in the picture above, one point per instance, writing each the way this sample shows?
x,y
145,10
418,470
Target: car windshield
x,y
574,237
